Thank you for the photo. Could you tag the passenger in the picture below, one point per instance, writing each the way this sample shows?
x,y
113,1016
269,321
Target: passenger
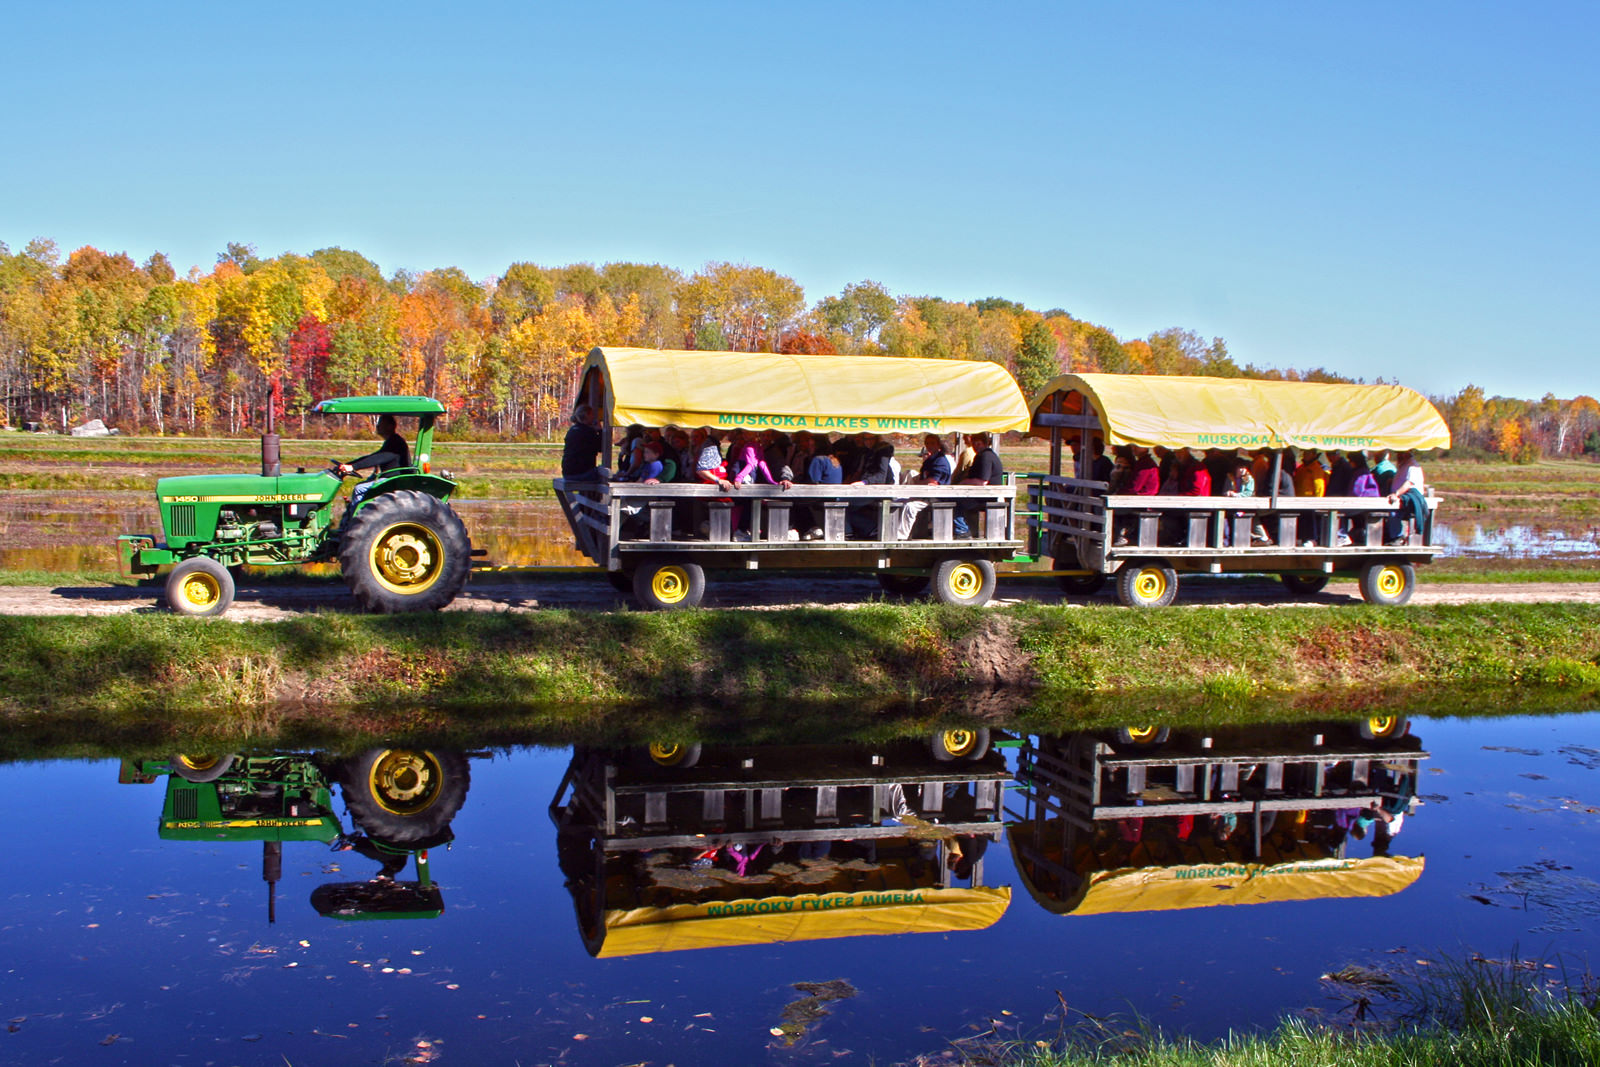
x,y
1167,466
1340,474
1192,480
1240,482
862,518
1144,479
649,469
824,469
800,456
580,453
986,469
628,456
1261,468
1383,469
1272,525
1121,468
1407,494
1310,477
1193,477
1311,480
964,459
1101,466
648,472
1363,483
936,469
777,450
746,466
1219,465
708,465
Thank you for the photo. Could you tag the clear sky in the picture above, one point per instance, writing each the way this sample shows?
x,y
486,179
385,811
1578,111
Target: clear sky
x,y
1405,190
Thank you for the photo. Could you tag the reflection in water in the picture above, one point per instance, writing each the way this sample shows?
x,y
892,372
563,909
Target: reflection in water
x,y
789,869
1144,820
401,802
671,848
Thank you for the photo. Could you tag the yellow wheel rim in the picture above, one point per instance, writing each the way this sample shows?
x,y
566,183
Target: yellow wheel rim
x,y
667,753
965,581
670,585
200,590
1141,735
1150,585
407,558
958,742
199,763
405,782
1382,725
1391,581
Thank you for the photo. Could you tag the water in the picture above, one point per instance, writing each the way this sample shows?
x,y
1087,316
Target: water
x,y
125,944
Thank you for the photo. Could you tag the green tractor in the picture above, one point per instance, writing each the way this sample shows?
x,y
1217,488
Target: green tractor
x,y
399,545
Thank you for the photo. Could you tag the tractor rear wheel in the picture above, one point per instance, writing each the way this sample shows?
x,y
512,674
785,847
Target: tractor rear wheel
x,y
402,795
199,587
404,551
197,767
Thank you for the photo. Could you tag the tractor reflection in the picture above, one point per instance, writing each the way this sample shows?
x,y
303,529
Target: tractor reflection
x,y
400,801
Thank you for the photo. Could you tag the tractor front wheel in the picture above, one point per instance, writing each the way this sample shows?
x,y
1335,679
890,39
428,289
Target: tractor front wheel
x,y
199,587
402,795
404,551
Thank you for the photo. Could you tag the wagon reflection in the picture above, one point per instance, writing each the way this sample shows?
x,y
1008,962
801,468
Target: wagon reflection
x,y
673,847
1147,820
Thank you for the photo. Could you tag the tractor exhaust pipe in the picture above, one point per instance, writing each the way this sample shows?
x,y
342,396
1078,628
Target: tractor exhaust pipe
x,y
271,454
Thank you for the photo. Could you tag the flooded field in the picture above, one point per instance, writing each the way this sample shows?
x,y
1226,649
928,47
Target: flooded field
x,y
780,903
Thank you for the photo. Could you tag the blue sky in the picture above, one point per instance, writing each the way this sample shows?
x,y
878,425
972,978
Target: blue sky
x,y
1405,190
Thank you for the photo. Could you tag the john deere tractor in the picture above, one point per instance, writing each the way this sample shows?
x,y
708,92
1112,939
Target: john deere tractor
x,y
399,544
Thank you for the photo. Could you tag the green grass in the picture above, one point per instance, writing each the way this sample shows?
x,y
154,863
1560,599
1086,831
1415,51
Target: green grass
x,y
1062,668
1466,1014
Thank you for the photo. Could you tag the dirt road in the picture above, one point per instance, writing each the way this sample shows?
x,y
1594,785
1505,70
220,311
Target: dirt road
x,y
590,592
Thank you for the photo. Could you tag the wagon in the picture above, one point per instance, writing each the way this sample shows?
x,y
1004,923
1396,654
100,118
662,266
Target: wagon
x,y
638,534
1078,522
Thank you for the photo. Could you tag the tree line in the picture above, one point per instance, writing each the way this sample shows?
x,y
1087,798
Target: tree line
x,y
98,335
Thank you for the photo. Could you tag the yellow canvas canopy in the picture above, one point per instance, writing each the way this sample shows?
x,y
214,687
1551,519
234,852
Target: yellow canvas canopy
x,y
809,917
1230,413
827,394
1210,885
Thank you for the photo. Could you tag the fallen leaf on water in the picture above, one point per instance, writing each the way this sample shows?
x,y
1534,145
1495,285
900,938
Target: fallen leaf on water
x,y
646,1019
575,1037
110,1039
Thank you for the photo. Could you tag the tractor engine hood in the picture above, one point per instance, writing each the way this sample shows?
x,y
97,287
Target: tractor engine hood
x,y
315,487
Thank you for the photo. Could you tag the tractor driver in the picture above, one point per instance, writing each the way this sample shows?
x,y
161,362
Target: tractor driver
x,y
394,453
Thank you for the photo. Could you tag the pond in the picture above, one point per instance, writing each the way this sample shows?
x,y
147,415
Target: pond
x,y
784,904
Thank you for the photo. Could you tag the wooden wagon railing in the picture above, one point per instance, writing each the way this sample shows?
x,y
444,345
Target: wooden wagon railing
x,y
609,519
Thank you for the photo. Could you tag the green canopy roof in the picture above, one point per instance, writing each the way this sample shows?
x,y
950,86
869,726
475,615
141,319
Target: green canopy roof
x,y
379,405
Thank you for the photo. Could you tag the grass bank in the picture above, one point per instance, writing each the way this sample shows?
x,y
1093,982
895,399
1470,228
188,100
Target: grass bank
x,y
1041,666
1473,1013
